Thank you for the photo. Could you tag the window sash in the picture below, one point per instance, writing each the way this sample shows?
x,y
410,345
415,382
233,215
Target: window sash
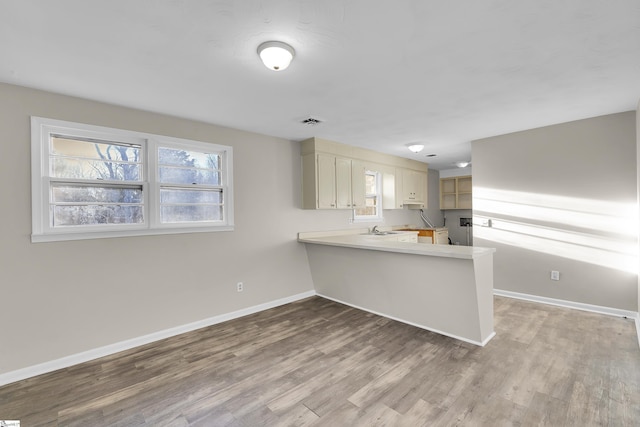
x,y
375,197
201,189
91,202
196,153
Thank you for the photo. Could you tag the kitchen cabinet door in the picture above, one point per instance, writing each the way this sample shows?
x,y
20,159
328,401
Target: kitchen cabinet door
x,y
421,187
343,183
358,184
409,185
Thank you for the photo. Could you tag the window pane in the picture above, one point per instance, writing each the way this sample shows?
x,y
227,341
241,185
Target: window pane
x,y
366,211
190,213
192,159
69,215
176,175
91,194
370,184
81,159
371,210
190,196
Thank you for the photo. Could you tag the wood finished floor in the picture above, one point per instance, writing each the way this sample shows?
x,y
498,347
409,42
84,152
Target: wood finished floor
x,y
316,362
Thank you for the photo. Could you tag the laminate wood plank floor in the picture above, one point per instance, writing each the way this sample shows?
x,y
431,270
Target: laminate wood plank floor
x,y
319,363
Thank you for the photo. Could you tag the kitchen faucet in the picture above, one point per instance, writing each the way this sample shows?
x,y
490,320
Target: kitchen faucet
x,y
374,230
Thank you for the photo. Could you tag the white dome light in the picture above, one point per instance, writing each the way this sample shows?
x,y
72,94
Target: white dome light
x,y
276,56
416,148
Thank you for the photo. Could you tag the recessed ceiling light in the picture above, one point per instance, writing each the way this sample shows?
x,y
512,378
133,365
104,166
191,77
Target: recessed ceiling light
x,y
415,147
462,164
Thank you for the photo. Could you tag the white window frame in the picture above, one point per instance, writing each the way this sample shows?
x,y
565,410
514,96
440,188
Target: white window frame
x,y
42,231
378,217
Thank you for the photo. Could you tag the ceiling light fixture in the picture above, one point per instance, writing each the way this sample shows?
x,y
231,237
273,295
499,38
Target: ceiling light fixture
x,y
275,55
416,148
462,164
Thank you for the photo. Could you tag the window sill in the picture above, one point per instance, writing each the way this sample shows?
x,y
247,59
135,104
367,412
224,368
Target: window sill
x,y
61,237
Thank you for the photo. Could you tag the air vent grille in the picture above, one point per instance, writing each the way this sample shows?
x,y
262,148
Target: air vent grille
x,y
311,121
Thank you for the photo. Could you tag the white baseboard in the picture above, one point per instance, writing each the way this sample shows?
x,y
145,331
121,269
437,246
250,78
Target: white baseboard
x,y
478,343
96,353
575,305
568,304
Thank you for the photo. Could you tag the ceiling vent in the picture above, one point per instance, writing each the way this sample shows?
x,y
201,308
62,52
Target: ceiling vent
x,y
311,121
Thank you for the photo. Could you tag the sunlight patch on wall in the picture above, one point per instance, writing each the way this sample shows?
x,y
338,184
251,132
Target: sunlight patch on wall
x,y
594,231
611,217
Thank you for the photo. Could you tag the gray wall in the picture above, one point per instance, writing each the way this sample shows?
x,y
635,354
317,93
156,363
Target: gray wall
x,y
457,234
433,211
62,298
563,198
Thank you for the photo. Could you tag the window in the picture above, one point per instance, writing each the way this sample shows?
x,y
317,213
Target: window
x,y
91,182
372,211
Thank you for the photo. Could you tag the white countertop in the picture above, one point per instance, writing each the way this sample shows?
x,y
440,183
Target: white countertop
x,y
356,239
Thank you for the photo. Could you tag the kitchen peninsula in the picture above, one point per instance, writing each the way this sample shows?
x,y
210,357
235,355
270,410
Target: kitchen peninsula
x,y
442,288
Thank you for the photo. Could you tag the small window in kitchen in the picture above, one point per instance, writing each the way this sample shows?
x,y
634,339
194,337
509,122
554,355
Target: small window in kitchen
x,y
372,210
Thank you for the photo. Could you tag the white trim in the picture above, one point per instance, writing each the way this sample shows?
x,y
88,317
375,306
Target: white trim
x,y
107,350
124,233
481,344
568,304
42,231
378,217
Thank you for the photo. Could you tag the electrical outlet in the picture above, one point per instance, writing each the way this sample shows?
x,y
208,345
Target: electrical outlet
x,y
240,286
555,275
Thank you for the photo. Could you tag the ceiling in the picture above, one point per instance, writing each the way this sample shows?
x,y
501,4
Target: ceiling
x,y
379,74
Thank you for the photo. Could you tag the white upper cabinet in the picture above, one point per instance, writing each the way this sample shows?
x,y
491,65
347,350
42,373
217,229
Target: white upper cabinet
x,y
334,177
410,189
332,182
